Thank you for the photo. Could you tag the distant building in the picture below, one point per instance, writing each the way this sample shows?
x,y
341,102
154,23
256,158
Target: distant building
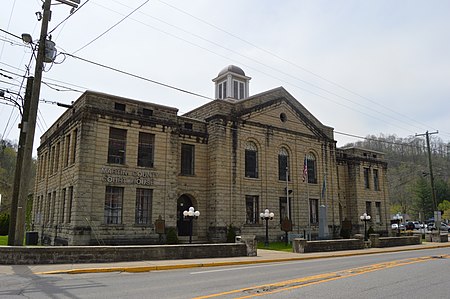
x,y
109,167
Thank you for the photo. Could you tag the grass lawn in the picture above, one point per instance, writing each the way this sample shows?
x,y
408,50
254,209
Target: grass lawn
x,y
280,246
3,240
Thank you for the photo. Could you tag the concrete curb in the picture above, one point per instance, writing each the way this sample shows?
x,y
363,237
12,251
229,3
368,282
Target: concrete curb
x,y
137,269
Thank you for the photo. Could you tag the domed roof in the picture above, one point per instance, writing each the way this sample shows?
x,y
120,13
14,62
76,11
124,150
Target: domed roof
x,y
233,69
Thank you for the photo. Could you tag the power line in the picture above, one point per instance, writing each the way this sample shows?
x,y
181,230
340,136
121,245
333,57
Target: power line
x,y
7,27
137,76
110,28
70,15
7,32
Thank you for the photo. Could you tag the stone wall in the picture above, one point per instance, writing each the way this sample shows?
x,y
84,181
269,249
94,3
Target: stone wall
x,y
18,255
303,246
380,242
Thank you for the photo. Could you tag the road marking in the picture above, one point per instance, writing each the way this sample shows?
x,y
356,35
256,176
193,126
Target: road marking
x,y
230,269
281,286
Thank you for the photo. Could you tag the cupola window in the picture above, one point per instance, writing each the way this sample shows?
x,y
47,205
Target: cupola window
x,y
222,90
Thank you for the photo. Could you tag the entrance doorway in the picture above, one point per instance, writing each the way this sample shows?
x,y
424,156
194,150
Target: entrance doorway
x,y
183,225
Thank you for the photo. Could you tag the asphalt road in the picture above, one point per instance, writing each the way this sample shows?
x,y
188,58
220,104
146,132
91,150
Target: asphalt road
x,y
411,274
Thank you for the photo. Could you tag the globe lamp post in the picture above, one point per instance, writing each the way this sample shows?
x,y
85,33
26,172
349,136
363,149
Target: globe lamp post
x,y
191,214
399,219
267,215
364,217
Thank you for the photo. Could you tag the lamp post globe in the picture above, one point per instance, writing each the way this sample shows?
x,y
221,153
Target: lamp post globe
x,y
364,217
399,218
266,215
191,214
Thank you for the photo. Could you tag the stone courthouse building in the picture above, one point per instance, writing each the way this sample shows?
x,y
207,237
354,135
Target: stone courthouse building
x,y
113,170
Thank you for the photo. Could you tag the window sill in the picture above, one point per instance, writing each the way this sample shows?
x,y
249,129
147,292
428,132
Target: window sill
x,y
112,225
146,225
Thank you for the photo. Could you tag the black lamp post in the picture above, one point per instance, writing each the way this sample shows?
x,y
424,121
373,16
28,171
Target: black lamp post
x,y
364,217
191,214
267,215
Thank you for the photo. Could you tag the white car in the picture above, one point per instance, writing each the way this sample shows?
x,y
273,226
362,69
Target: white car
x,y
395,226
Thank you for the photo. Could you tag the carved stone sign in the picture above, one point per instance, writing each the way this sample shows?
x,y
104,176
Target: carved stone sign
x,y
128,177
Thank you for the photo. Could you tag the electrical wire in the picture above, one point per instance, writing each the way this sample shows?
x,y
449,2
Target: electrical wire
x,y
7,27
50,85
110,28
70,15
137,76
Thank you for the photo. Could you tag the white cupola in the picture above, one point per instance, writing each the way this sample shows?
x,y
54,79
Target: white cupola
x,y
231,84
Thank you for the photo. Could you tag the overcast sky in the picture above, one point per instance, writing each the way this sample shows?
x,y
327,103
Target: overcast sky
x,y
361,67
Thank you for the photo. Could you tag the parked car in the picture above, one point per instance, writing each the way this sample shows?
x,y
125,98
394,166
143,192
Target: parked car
x,y
395,226
444,227
410,225
416,224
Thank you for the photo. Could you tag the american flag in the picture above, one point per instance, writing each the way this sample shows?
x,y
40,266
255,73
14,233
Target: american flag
x,y
305,169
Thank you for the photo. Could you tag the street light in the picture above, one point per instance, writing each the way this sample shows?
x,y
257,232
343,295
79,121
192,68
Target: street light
x,y
399,219
267,215
364,217
191,214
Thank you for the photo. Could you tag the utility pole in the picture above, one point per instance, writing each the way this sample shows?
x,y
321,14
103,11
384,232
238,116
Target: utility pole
x,y
28,128
430,165
19,160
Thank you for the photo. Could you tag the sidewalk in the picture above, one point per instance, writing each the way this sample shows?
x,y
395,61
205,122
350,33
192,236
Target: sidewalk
x,y
264,256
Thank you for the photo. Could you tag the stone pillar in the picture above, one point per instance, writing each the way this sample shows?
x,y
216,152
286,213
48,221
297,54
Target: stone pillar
x,y
374,240
251,243
299,245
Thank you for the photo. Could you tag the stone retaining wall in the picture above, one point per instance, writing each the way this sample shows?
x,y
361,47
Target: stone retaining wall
x,y
436,237
380,242
303,246
20,255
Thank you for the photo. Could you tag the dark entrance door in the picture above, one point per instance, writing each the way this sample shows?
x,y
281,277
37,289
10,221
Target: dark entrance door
x,y
183,204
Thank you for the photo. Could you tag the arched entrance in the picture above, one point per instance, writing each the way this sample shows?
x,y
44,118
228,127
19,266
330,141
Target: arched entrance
x,y
183,204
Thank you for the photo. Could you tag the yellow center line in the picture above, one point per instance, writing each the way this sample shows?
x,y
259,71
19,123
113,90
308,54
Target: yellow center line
x,y
286,285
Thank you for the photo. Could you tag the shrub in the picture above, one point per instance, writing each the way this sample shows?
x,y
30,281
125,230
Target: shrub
x,y
345,233
370,231
4,224
172,236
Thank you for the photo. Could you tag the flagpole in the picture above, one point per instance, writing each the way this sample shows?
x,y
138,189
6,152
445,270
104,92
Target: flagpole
x,y
306,180
309,209
287,194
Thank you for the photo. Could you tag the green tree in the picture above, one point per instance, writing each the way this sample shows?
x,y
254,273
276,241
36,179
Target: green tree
x,y
422,200
442,190
445,206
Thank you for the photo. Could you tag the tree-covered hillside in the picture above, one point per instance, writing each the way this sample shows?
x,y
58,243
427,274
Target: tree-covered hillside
x,y
8,153
409,173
